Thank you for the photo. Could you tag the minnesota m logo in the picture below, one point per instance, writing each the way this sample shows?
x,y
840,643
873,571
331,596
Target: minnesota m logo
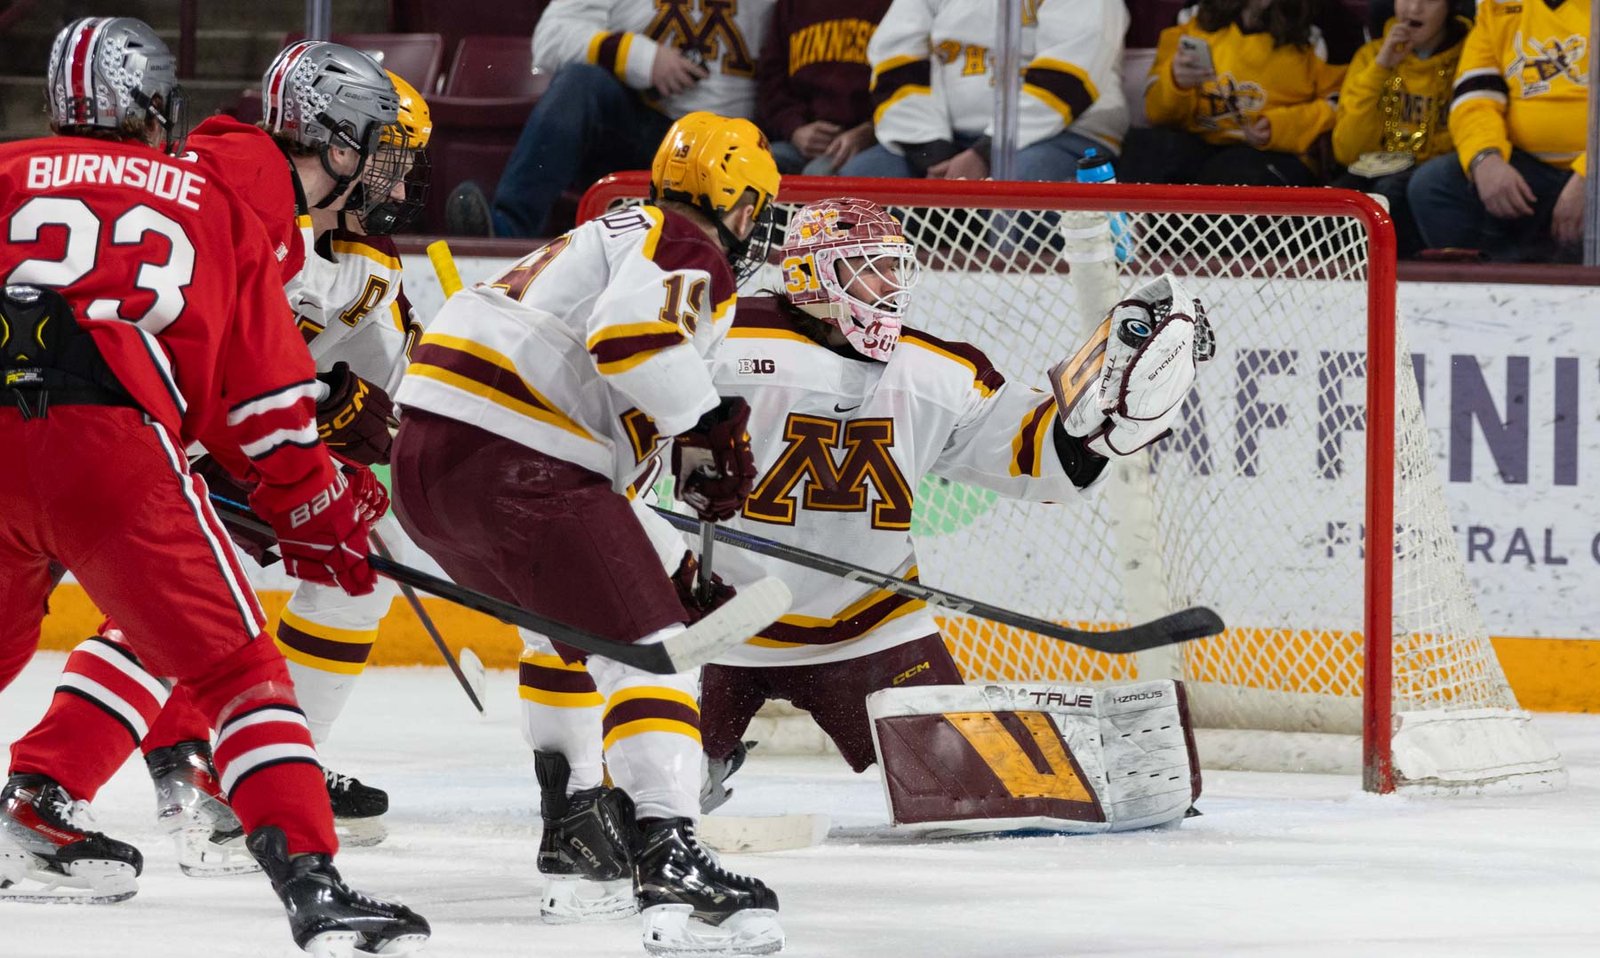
x,y
712,33
829,487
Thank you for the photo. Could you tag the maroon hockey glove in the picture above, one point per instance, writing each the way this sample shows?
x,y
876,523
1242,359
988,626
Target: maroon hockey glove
x,y
354,420
712,463
320,535
696,603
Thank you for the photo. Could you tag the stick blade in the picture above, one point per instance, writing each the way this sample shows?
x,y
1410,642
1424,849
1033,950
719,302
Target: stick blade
x,y
1185,625
762,833
755,607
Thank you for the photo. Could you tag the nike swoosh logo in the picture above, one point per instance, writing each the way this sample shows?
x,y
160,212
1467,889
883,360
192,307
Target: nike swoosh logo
x,y
839,408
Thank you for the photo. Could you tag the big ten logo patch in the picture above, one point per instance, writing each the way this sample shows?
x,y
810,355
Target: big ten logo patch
x,y
757,367
1229,102
706,31
830,485
1540,62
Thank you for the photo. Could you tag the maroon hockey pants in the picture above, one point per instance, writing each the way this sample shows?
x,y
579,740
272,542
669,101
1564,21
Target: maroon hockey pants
x,y
109,495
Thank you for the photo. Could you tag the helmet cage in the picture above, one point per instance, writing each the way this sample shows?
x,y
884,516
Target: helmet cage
x,y
397,165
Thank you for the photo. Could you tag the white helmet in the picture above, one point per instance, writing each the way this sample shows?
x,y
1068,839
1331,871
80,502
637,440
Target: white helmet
x,y
109,72
321,95
832,247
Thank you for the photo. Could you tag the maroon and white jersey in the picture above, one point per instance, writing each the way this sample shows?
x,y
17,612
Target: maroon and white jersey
x,y
841,442
350,307
171,274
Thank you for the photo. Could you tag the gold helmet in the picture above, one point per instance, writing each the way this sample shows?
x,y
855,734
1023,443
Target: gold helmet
x,y
400,164
709,162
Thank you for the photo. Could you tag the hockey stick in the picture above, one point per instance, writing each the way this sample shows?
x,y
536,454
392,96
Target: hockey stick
x,y
428,626
1196,622
753,609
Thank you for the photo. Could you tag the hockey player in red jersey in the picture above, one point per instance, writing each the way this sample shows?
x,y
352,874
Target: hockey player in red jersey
x,y
142,313
318,184
548,392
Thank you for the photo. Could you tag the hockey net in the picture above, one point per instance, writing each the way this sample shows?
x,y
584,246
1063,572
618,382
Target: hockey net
x,y
1297,496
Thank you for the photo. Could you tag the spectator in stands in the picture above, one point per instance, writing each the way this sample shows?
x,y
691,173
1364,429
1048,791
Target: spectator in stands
x,y
932,92
1240,92
1394,106
812,79
623,71
1515,187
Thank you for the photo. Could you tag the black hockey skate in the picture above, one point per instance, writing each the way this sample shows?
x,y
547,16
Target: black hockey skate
x,y
694,906
191,808
358,810
585,849
326,917
47,855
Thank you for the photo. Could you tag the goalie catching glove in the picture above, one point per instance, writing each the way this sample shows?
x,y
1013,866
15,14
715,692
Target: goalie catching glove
x,y
354,419
712,464
1122,390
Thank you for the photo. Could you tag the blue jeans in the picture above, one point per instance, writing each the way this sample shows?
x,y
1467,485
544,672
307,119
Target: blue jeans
x,y
1449,213
586,125
791,161
1054,160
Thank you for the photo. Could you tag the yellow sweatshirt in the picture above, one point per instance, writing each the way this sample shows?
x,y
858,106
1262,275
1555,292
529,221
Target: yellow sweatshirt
x,y
1522,82
1291,86
1424,99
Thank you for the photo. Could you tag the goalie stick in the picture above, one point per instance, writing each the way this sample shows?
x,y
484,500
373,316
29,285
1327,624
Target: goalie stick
x,y
754,608
1196,622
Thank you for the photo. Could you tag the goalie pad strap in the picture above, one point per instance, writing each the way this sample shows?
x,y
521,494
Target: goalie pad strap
x,y
1081,464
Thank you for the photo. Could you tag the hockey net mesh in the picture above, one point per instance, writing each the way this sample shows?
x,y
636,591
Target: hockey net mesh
x,y
1255,503
1253,506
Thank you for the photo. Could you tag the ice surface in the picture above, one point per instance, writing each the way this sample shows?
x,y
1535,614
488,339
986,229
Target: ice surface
x,y
1277,865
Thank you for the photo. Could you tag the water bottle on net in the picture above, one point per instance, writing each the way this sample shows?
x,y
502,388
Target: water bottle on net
x,y
1095,167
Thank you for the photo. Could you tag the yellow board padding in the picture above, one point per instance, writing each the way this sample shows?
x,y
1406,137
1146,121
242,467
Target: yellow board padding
x,y
1547,675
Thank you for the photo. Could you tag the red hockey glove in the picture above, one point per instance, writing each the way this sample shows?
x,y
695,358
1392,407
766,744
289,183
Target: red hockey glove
x,y
712,463
696,603
354,420
320,536
370,498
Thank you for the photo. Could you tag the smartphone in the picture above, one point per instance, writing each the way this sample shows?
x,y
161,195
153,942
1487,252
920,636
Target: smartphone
x,y
1198,50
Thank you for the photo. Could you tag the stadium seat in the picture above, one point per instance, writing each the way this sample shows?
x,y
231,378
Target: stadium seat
x,y
455,19
494,66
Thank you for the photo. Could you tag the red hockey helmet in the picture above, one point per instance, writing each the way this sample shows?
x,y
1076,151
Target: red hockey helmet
x,y
848,262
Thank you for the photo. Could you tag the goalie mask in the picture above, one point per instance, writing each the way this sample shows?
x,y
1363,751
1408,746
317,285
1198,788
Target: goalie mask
x,y
848,263
113,74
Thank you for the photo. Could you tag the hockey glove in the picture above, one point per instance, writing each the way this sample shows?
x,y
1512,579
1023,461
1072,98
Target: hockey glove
x,y
355,418
321,537
696,603
1122,390
712,463
370,498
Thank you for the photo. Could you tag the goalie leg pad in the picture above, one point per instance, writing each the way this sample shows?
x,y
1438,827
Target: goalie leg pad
x,y
1061,758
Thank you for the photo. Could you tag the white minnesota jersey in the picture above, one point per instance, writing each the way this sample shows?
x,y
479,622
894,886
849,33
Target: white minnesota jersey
x,y
622,36
840,442
350,308
933,64
590,349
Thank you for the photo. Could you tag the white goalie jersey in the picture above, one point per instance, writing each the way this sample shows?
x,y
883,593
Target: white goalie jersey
x,y
840,444
590,349
351,309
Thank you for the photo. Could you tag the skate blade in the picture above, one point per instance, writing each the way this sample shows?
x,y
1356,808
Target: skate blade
x,y
199,857
402,945
360,832
90,881
672,931
567,901
332,944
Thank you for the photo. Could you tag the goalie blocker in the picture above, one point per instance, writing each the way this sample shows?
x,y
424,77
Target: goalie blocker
x,y
989,758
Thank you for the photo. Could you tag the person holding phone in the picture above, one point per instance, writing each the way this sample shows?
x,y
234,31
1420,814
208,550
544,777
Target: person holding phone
x,y
1239,93
1394,107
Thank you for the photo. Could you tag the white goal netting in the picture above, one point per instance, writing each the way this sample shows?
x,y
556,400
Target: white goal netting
x,y
1257,504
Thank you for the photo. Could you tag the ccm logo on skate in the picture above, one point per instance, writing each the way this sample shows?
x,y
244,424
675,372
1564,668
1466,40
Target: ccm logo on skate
x,y
748,367
1082,700
319,503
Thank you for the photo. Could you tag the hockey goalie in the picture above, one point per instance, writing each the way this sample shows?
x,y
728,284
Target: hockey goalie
x,y
849,409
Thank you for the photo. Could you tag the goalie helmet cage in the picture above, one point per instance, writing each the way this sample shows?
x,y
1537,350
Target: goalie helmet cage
x,y
1297,495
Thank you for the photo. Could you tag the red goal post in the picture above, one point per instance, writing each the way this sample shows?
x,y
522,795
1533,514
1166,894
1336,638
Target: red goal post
x,y
1261,244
